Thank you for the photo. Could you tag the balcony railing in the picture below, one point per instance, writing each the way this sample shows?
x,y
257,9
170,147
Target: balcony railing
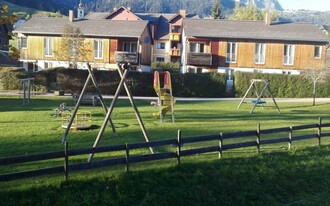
x,y
127,57
175,52
175,36
199,59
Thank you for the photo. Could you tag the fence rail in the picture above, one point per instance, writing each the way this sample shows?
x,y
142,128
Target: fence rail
x,y
178,143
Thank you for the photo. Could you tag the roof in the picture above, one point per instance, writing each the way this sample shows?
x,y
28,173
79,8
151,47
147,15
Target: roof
x,y
55,26
97,15
211,28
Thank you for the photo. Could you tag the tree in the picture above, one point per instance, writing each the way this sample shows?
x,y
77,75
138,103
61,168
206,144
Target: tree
x,y
216,10
249,12
315,76
72,47
6,18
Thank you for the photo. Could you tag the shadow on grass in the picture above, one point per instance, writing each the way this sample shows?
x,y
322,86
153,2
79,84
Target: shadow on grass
x,y
297,176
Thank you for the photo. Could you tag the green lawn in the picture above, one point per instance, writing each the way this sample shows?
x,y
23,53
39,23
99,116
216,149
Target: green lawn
x,y
275,177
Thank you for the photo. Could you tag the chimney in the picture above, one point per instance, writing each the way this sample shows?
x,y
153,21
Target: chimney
x,y
183,13
268,18
71,16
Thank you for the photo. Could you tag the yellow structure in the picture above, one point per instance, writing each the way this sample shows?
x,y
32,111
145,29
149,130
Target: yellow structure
x,y
82,120
163,90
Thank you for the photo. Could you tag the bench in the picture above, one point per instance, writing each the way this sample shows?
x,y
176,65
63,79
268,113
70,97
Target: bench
x,y
87,99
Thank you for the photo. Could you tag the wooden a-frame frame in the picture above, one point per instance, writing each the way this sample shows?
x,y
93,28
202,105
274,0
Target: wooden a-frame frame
x,y
259,95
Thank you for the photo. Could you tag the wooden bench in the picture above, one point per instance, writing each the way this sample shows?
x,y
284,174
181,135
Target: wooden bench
x,y
87,99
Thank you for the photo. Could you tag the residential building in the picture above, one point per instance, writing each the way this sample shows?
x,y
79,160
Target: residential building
x,y
107,42
226,46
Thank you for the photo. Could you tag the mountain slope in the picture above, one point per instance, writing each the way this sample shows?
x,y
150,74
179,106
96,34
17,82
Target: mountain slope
x,y
201,7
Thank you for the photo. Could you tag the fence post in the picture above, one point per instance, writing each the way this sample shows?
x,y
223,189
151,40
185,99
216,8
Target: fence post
x,y
178,148
258,138
66,160
220,145
127,158
319,132
290,137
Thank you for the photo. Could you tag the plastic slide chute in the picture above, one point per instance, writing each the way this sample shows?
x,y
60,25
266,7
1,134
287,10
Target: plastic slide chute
x,y
163,90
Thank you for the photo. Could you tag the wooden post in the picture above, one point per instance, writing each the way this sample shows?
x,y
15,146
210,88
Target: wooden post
x,y
220,145
178,148
319,132
290,137
258,138
66,161
127,158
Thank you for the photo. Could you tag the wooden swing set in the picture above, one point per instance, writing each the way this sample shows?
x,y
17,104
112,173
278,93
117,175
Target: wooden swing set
x,y
260,94
123,70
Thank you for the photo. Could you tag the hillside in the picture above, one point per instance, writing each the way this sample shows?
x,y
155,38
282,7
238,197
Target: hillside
x,y
201,7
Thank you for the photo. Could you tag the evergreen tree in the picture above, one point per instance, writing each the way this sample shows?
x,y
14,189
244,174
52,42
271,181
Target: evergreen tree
x,y
216,10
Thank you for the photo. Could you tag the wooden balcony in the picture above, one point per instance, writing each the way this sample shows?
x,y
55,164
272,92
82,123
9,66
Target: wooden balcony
x,y
127,57
175,36
199,59
175,52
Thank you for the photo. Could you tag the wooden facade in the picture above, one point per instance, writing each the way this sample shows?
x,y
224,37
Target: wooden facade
x,y
274,54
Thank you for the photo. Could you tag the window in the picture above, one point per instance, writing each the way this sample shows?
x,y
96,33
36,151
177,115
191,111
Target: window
x,y
48,65
98,49
22,43
317,52
231,52
73,47
160,59
130,46
48,46
176,29
259,54
197,47
288,58
160,45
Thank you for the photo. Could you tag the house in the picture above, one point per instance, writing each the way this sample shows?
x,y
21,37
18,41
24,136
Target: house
x,y
226,46
107,42
165,30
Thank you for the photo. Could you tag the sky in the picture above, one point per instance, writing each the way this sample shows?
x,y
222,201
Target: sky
x,y
320,5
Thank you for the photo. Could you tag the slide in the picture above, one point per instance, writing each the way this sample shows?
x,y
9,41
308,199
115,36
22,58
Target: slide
x,y
166,99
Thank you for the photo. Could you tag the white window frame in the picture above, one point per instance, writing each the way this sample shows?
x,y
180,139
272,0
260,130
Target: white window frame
x,y
199,47
98,49
128,46
48,46
288,54
74,48
319,48
160,45
260,53
231,56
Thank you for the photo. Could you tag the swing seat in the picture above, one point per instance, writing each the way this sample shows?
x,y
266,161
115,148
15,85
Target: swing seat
x,y
261,101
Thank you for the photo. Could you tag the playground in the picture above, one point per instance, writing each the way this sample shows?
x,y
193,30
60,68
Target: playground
x,y
42,132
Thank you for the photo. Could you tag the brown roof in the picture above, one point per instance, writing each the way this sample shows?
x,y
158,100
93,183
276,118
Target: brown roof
x,y
102,28
211,28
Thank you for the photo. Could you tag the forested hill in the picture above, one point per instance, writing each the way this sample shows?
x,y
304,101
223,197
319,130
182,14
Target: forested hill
x,y
201,7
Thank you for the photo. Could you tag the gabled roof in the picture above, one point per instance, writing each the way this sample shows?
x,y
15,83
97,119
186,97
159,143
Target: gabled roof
x,y
210,28
119,10
97,15
101,28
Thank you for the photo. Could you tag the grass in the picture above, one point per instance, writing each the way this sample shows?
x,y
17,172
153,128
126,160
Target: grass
x,y
275,177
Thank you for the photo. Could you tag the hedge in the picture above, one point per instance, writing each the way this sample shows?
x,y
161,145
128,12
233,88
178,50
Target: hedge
x,y
184,85
282,85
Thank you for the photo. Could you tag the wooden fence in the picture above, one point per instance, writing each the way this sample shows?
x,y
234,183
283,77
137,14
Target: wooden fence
x,y
178,142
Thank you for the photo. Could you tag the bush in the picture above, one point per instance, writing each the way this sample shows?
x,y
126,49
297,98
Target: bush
x,y
282,86
166,66
9,78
